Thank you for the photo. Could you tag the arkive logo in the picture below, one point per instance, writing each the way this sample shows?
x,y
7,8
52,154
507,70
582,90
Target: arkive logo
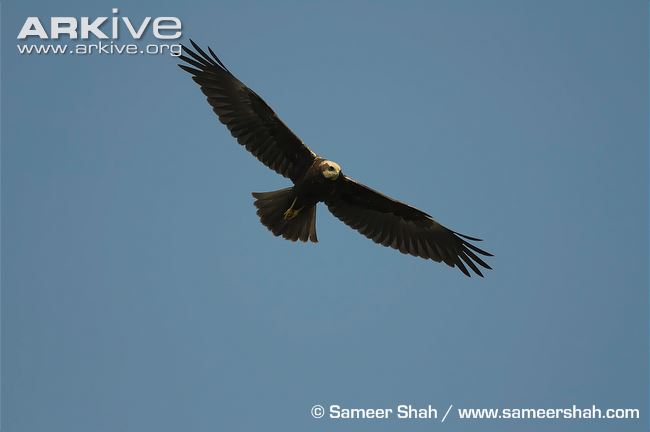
x,y
162,27
106,30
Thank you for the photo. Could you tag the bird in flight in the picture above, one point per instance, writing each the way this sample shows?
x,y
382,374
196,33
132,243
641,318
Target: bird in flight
x,y
291,212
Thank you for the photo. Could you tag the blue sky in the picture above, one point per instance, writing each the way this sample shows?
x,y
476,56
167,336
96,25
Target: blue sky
x,y
140,291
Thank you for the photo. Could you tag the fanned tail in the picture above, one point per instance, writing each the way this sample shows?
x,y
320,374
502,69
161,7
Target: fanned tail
x,y
271,207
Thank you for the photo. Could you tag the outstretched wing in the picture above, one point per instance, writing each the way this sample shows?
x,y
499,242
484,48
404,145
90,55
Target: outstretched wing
x,y
250,120
402,227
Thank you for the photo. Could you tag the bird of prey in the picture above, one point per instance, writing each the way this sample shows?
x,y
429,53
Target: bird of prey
x,y
291,212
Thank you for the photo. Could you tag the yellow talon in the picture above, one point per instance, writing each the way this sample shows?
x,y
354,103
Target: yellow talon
x,y
291,213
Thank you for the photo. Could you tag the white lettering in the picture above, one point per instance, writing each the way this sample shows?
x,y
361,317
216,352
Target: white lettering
x,y
32,27
158,26
63,25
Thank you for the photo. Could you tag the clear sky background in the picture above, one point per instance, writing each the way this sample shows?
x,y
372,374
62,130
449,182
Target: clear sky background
x,y
140,292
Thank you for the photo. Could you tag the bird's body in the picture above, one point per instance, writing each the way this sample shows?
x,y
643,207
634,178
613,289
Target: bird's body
x,y
314,186
291,212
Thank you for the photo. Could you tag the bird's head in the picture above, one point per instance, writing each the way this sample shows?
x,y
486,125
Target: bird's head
x,y
330,170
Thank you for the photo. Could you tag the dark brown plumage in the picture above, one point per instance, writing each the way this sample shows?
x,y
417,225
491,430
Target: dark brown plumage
x,y
291,212
250,120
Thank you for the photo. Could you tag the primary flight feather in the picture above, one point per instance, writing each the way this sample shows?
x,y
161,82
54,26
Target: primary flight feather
x,y
291,212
